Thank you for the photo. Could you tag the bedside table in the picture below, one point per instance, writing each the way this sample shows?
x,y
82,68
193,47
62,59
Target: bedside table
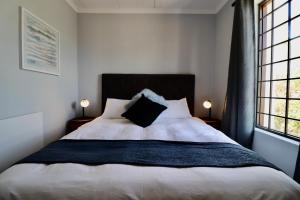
x,y
216,123
75,123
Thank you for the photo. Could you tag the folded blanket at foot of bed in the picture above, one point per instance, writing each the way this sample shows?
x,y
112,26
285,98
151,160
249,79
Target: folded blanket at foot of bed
x,y
147,153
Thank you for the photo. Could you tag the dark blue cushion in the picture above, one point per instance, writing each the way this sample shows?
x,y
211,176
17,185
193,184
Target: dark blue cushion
x,y
144,112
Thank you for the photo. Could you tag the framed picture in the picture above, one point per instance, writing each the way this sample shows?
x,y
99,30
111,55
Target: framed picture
x,y
40,45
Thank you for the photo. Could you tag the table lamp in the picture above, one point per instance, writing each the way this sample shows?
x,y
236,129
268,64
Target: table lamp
x,y
207,105
84,103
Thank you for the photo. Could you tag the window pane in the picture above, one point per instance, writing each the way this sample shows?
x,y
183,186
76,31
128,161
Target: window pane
x,y
280,52
294,109
279,89
277,123
264,120
278,107
265,89
264,105
295,48
295,88
294,128
281,15
295,27
266,59
295,8
279,71
267,23
266,72
295,68
267,39
276,47
281,33
267,8
278,3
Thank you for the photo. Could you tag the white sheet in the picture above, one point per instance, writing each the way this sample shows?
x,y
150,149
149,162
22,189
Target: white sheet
x,y
75,181
189,129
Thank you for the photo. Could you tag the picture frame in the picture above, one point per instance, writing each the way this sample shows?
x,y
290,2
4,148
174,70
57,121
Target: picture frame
x,y
40,45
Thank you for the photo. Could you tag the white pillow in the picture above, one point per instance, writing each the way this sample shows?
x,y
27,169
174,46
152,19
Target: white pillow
x,y
176,109
114,108
150,95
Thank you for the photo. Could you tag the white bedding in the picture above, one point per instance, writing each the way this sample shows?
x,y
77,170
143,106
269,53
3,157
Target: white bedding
x,y
183,129
112,181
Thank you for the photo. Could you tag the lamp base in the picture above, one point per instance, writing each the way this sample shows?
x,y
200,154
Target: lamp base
x,y
209,113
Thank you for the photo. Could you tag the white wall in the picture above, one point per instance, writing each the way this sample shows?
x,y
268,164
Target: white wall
x,y
224,23
23,92
130,43
278,150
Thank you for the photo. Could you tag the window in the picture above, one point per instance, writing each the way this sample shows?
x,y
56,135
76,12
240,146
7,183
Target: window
x,y
278,85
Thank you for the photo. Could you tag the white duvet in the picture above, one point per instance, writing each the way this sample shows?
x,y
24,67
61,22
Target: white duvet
x,y
114,181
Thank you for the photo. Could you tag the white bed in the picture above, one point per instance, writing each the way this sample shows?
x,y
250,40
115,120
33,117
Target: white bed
x,y
115,181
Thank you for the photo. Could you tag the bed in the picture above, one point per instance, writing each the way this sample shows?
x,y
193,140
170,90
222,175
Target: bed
x,y
125,181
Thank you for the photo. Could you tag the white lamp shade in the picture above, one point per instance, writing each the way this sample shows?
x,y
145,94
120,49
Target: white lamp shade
x,y
207,104
84,103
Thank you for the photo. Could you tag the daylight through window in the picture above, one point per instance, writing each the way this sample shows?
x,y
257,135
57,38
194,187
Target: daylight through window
x,y
278,86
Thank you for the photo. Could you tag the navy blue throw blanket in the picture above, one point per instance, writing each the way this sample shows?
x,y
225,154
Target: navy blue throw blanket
x,y
147,153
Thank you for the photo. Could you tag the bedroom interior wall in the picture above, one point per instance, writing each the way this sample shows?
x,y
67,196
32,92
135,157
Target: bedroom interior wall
x,y
224,23
143,43
23,92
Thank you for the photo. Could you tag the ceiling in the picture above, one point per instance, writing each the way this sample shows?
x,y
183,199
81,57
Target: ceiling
x,y
148,6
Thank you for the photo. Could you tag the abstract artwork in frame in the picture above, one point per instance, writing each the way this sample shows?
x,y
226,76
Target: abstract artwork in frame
x,y
40,45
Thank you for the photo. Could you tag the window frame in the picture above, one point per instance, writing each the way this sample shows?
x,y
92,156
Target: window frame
x,y
260,38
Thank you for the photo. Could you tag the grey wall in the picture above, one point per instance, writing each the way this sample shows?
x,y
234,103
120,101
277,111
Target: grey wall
x,y
112,43
224,23
23,92
278,150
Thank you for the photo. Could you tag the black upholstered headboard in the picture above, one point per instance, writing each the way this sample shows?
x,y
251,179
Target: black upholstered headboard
x,y
171,86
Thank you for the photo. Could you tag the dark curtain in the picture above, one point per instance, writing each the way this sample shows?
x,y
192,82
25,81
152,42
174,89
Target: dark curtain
x,y
239,108
297,170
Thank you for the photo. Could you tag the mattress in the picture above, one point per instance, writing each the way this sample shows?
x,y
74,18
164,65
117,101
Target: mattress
x,y
118,181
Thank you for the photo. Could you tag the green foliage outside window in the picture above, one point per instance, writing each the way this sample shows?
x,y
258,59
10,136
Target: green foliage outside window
x,y
294,106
